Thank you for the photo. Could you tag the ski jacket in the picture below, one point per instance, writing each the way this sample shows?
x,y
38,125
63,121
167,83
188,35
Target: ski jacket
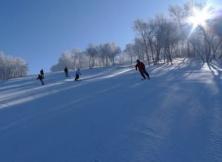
x,y
66,70
140,66
40,77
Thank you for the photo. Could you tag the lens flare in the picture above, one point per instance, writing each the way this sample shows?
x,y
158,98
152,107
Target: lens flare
x,y
200,16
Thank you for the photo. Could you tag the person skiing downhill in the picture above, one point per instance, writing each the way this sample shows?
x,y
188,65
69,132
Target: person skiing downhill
x,y
66,72
42,73
40,77
78,73
142,69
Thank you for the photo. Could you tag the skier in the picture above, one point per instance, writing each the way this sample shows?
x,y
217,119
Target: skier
x,y
42,73
142,69
78,73
66,71
40,77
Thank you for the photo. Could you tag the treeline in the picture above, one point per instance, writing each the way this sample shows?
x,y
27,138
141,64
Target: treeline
x,y
161,38
167,37
94,55
12,67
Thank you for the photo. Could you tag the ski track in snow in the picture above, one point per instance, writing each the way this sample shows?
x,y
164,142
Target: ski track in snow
x,y
110,115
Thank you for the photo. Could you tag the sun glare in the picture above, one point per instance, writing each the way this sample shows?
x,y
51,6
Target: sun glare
x,y
199,17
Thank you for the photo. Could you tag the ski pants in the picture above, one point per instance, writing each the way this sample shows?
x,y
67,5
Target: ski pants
x,y
42,81
143,73
77,77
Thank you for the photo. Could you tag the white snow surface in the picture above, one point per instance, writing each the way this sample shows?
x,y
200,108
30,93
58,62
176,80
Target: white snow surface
x,y
111,115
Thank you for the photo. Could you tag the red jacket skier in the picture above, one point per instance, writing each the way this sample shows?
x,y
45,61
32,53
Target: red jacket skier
x,y
142,69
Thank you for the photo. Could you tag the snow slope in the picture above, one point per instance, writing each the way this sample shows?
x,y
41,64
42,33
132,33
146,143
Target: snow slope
x,y
113,116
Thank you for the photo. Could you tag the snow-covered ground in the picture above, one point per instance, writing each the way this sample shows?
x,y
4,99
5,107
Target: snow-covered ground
x,y
113,116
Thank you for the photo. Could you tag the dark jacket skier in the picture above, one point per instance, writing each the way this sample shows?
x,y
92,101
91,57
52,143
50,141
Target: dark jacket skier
x,y
40,77
42,73
78,73
142,69
66,71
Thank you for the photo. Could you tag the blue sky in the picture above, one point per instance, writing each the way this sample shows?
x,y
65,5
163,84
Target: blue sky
x,y
40,30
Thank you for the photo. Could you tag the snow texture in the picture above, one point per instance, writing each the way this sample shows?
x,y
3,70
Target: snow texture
x,y
110,115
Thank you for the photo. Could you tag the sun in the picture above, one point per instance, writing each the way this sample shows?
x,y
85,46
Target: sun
x,y
199,17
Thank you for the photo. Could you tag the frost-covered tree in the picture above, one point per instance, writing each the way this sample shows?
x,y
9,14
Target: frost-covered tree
x,y
109,51
92,52
72,59
12,67
103,54
172,35
144,33
93,55
156,35
66,60
129,51
139,48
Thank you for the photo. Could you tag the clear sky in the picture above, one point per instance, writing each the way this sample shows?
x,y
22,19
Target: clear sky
x,y
40,30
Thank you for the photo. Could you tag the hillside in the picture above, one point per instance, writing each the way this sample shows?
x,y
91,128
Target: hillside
x,y
111,115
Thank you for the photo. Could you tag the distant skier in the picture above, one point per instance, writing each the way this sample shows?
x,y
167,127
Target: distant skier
x,y
142,69
40,77
66,71
78,73
42,73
